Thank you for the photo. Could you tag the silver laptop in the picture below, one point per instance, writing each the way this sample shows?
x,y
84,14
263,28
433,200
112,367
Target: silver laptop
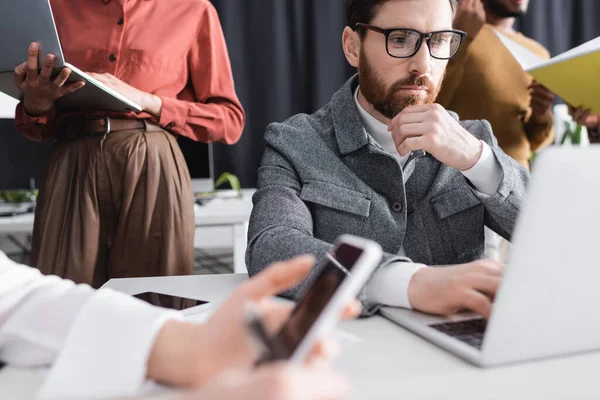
x,y
25,21
549,301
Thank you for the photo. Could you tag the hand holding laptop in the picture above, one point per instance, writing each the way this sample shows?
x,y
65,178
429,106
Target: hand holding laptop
x,y
39,90
150,103
449,290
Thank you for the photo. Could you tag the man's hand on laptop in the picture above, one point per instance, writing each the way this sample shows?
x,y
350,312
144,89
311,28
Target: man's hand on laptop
x,y
448,290
39,90
430,127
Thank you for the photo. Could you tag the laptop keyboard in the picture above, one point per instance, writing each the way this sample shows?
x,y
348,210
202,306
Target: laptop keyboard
x,y
470,332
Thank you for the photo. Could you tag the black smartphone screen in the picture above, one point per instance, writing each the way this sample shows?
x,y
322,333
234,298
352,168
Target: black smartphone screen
x,y
168,301
316,298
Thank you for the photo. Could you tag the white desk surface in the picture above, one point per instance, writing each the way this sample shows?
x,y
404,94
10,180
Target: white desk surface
x,y
389,362
217,212
15,225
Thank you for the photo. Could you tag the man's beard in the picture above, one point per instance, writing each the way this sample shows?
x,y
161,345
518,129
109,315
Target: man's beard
x,y
390,102
500,10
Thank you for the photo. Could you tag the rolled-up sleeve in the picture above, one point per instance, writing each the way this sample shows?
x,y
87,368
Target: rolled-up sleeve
x,y
38,128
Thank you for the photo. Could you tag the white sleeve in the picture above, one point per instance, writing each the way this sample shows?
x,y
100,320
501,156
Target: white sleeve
x,y
90,338
36,313
486,176
389,284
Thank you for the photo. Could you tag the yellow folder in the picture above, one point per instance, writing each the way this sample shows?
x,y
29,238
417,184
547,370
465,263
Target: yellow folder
x,y
574,75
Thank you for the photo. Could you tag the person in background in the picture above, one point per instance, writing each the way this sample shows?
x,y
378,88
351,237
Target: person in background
x,y
117,199
104,344
484,81
585,117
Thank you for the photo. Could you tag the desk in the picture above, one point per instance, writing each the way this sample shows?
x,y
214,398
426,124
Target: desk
x,y
391,363
234,213
229,212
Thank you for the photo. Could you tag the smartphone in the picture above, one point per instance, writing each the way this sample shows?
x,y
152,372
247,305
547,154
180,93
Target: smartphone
x,y
321,306
184,304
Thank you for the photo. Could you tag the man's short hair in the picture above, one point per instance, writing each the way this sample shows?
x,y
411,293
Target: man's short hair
x,y
364,11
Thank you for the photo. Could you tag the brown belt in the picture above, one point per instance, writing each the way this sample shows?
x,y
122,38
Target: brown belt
x,y
77,128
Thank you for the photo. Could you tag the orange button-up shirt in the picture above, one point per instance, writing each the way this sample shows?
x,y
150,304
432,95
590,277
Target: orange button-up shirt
x,y
174,49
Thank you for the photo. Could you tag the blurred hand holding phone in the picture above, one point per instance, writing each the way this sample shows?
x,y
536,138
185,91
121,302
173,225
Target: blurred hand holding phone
x,y
320,308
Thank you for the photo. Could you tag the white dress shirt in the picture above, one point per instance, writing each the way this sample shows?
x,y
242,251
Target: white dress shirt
x,y
97,342
389,285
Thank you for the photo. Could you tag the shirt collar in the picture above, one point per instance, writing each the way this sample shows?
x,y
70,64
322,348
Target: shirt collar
x,y
377,130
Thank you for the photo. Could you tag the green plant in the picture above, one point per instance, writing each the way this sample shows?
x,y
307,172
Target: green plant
x,y
18,196
573,134
233,181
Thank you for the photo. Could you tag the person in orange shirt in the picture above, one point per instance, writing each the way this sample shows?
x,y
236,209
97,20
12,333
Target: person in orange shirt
x,y
120,204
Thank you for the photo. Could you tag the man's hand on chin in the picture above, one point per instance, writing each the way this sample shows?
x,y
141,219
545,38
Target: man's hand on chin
x,y
429,127
448,290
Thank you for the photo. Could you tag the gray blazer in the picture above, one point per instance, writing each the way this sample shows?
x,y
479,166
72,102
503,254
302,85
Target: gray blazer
x,y
322,176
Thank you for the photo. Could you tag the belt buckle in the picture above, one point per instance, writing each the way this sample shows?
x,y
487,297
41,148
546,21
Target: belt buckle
x,y
106,125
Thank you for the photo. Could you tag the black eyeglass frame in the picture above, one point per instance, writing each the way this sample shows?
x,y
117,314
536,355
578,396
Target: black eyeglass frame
x,y
422,37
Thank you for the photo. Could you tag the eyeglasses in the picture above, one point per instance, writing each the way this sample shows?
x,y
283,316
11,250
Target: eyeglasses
x,y
405,43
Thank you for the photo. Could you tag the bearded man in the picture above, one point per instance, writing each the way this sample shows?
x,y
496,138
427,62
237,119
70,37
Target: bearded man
x,y
383,161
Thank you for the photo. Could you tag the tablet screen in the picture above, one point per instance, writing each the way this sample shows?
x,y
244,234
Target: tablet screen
x,y
168,301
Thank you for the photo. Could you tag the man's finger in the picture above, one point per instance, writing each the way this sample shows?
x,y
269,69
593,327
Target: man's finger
x,y
542,101
408,131
477,302
62,77
48,67
274,314
32,62
585,116
20,74
490,267
542,95
546,96
485,284
352,310
411,144
544,104
419,108
410,118
410,110
324,351
66,89
278,277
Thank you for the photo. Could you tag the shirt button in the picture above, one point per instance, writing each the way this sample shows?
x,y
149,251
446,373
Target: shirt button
x,y
397,207
120,21
106,1
112,58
